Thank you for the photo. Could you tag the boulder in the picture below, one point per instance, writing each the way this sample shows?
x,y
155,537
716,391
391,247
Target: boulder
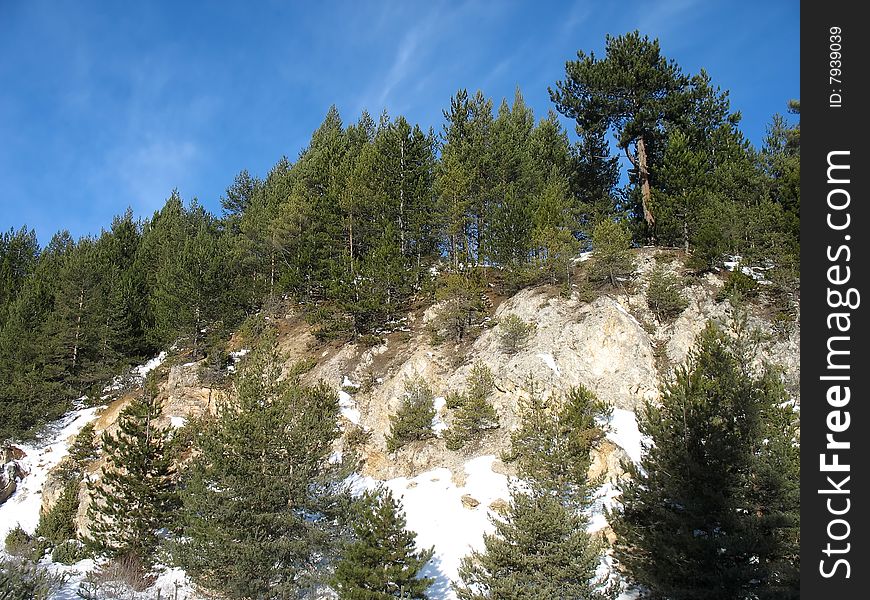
x,y
469,502
10,474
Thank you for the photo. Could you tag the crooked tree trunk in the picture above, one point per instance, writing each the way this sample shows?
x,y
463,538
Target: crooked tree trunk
x,y
643,173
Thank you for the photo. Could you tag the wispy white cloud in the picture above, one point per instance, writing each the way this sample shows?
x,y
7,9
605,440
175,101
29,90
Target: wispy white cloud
x,y
147,172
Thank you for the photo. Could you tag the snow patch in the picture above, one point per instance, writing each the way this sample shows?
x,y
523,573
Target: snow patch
x,y
434,509
239,354
177,422
22,508
625,433
348,408
550,362
439,426
143,370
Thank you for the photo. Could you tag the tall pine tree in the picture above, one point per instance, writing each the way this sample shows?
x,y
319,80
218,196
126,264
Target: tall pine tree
x,y
136,494
262,501
712,512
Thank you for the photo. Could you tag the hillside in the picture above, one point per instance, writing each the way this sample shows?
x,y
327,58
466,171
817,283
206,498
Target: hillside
x,y
606,340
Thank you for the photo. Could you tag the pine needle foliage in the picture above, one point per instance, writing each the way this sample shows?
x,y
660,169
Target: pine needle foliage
x,y
413,419
262,502
382,562
136,494
475,414
713,510
553,443
539,551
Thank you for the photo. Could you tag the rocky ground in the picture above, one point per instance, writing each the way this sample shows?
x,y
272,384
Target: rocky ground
x,y
608,342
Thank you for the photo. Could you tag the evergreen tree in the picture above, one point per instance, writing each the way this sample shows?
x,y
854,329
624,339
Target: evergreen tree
x,y
539,551
382,561
611,243
464,302
713,509
474,412
664,295
634,90
262,501
413,419
553,443
135,495
554,225
19,251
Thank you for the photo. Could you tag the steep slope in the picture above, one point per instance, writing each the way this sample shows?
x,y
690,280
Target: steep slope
x,y
607,342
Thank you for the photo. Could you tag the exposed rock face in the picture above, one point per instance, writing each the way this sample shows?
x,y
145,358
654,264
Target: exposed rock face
x,y
184,396
607,461
10,453
53,487
11,471
469,502
612,345
10,474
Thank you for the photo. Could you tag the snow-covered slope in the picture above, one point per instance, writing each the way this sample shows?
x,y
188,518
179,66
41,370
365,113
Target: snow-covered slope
x,y
22,508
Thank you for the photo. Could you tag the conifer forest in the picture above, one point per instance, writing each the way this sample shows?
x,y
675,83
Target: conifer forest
x,y
635,204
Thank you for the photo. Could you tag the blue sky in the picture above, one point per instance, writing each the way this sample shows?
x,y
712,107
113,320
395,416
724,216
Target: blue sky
x,y
105,105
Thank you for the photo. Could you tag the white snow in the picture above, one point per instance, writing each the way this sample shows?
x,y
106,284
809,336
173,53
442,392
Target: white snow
x,y
347,383
348,408
238,355
22,508
550,362
624,433
433,506
439,426
143,370
177,422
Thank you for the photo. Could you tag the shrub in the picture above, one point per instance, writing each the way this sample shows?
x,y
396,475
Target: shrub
x,y
611,259
480,382
413,420
83,450
110,580
69,552
738,286
454,400
357,436
663,296
464,304
57,524
23,545
24,580
475,416
18,542
474,413
514,333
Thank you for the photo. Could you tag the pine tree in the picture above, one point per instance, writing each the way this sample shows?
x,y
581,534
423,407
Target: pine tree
x,y
413,419
540,551
464,302
612,261
553,443
634,90
262,501
555,223
382,561
713,510
474,413
135,495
